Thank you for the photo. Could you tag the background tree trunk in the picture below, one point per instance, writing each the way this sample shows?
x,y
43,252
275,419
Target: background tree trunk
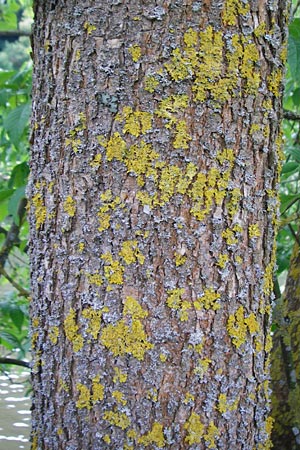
x,y
154,171
286,362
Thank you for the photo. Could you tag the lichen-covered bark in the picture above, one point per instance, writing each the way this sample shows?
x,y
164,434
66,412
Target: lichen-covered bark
x,y
285,368
154,170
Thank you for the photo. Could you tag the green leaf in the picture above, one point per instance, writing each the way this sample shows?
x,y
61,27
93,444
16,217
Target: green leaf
x,y
14,202
294,47
286,201
16,121
17,317
19,175
5,193
9,340
290,167
5,75
296,97
294,152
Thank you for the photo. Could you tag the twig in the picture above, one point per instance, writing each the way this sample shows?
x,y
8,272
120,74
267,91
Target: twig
x,y
16,285
14,34
12,236
290,115
295,9
15,362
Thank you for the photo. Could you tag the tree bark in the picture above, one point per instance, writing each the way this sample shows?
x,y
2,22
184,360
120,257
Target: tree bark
x,y
154,171
285,369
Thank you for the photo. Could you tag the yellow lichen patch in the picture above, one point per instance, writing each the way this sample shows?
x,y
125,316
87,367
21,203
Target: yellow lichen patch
x,y
119,397
163,357
222,261
40,211
209,69
275,82
202,366
250,57
140,161
252,324
84,399
74,143
209,300
71,331
106,439
89,28
95,278
136,52
224,405
229,236
119,376
152,394
255,128
113,271
96,162
155,436
115,147
254,231
178,67
174,301
150,83
94,320
81,247
179,259
134,309
170,107
53,334
238,325
131,253
122,339
108,204
186,178
231,10
168,182
118,419
136,122
194,428
190,38
131,434
233,203
188,398
182,136
97,390
70,206
261,30
211,434
268,275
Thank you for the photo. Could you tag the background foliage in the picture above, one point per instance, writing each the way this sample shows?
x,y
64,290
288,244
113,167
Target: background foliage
x,y
15,87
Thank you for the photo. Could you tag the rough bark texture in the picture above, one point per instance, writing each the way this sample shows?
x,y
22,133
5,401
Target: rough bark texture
x,y
286,362
153,189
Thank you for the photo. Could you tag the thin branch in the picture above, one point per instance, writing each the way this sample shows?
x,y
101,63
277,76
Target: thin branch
x,y
12,236
14,34
294,234
16,285
295,9
290,115
15,362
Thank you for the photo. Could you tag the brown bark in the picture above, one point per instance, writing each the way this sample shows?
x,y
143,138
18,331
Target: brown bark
x,y
155,148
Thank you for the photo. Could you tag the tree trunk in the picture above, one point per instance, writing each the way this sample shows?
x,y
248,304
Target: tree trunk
x,y
154,171
285,369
